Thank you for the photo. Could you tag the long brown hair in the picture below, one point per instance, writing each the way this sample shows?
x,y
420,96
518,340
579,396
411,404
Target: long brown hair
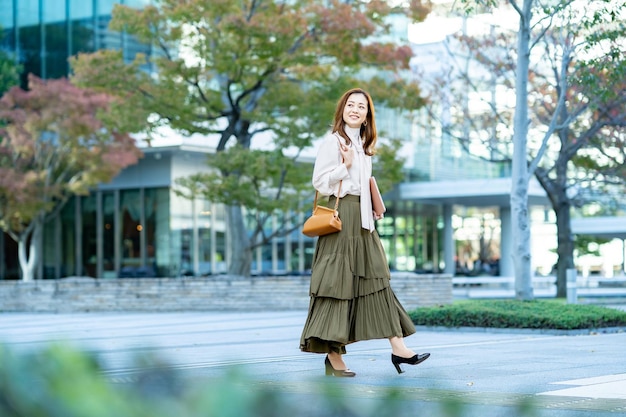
x,y
368,130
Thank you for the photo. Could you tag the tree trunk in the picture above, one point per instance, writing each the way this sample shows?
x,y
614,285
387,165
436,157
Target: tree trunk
x,y
28,250
239,242
521,239
565,248
520,176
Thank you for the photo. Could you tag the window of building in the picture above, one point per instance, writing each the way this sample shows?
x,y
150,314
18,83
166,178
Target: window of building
x,y
109,207
30,48
6,17
82,30
132,228
157,232
56,48
89,244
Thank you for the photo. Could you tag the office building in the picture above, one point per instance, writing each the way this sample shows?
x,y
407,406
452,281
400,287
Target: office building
x,y
137,226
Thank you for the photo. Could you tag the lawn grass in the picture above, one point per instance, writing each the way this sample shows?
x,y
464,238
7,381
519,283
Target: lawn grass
x,y
514,314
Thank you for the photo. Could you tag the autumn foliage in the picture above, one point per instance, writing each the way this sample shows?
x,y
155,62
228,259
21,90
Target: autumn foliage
x,y
245,73
55,141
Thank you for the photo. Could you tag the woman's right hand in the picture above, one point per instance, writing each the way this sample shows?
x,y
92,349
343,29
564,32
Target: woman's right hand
x,y
347,153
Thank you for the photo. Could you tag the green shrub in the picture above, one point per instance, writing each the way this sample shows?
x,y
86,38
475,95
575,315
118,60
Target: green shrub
x,y
537,314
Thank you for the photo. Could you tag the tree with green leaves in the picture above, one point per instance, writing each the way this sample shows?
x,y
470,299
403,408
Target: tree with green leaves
x,y
9,71
260,79
56,141
568,116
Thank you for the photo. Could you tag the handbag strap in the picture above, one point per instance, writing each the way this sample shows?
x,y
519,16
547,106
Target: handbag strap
x,y
336,201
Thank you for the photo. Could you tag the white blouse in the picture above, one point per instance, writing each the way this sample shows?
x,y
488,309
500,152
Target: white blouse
x,y
329,170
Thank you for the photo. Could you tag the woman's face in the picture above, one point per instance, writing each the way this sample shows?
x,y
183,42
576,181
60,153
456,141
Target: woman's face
x,y
355,111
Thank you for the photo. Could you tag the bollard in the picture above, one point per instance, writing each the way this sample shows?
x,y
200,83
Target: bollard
x,y
572,296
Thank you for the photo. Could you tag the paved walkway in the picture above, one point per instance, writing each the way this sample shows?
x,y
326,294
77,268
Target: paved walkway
x,y
564,375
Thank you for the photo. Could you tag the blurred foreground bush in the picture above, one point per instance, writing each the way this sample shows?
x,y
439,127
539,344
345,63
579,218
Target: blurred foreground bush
x,y
60,381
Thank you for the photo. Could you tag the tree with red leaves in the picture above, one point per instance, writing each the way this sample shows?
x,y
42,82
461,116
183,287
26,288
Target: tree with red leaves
x,y
56,141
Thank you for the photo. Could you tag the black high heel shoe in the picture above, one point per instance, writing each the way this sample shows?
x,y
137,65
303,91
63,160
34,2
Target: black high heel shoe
x,y
413,360
346,373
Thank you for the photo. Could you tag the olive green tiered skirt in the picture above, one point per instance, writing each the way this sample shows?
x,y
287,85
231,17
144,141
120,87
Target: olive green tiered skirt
x,y
351,298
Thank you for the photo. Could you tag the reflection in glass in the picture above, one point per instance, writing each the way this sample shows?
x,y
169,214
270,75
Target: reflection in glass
x,y
27,12
10,268
30,39
205,217
50,250
106,6
55,64
108,234
180,256
131,230
137,4
89,236
218,228
81,10
68,238
6,17
156,230
280,260
82,28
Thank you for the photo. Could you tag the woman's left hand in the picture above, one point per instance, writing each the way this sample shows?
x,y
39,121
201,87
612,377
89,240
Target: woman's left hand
x,y
377,217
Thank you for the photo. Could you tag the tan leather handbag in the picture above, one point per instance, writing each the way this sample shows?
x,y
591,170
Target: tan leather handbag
x,y
323,220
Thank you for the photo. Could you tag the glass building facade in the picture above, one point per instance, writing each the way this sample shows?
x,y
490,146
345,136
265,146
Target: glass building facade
x,y
137,226
139,232
43,34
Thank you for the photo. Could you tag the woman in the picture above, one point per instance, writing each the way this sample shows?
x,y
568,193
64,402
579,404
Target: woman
x,y
351,299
